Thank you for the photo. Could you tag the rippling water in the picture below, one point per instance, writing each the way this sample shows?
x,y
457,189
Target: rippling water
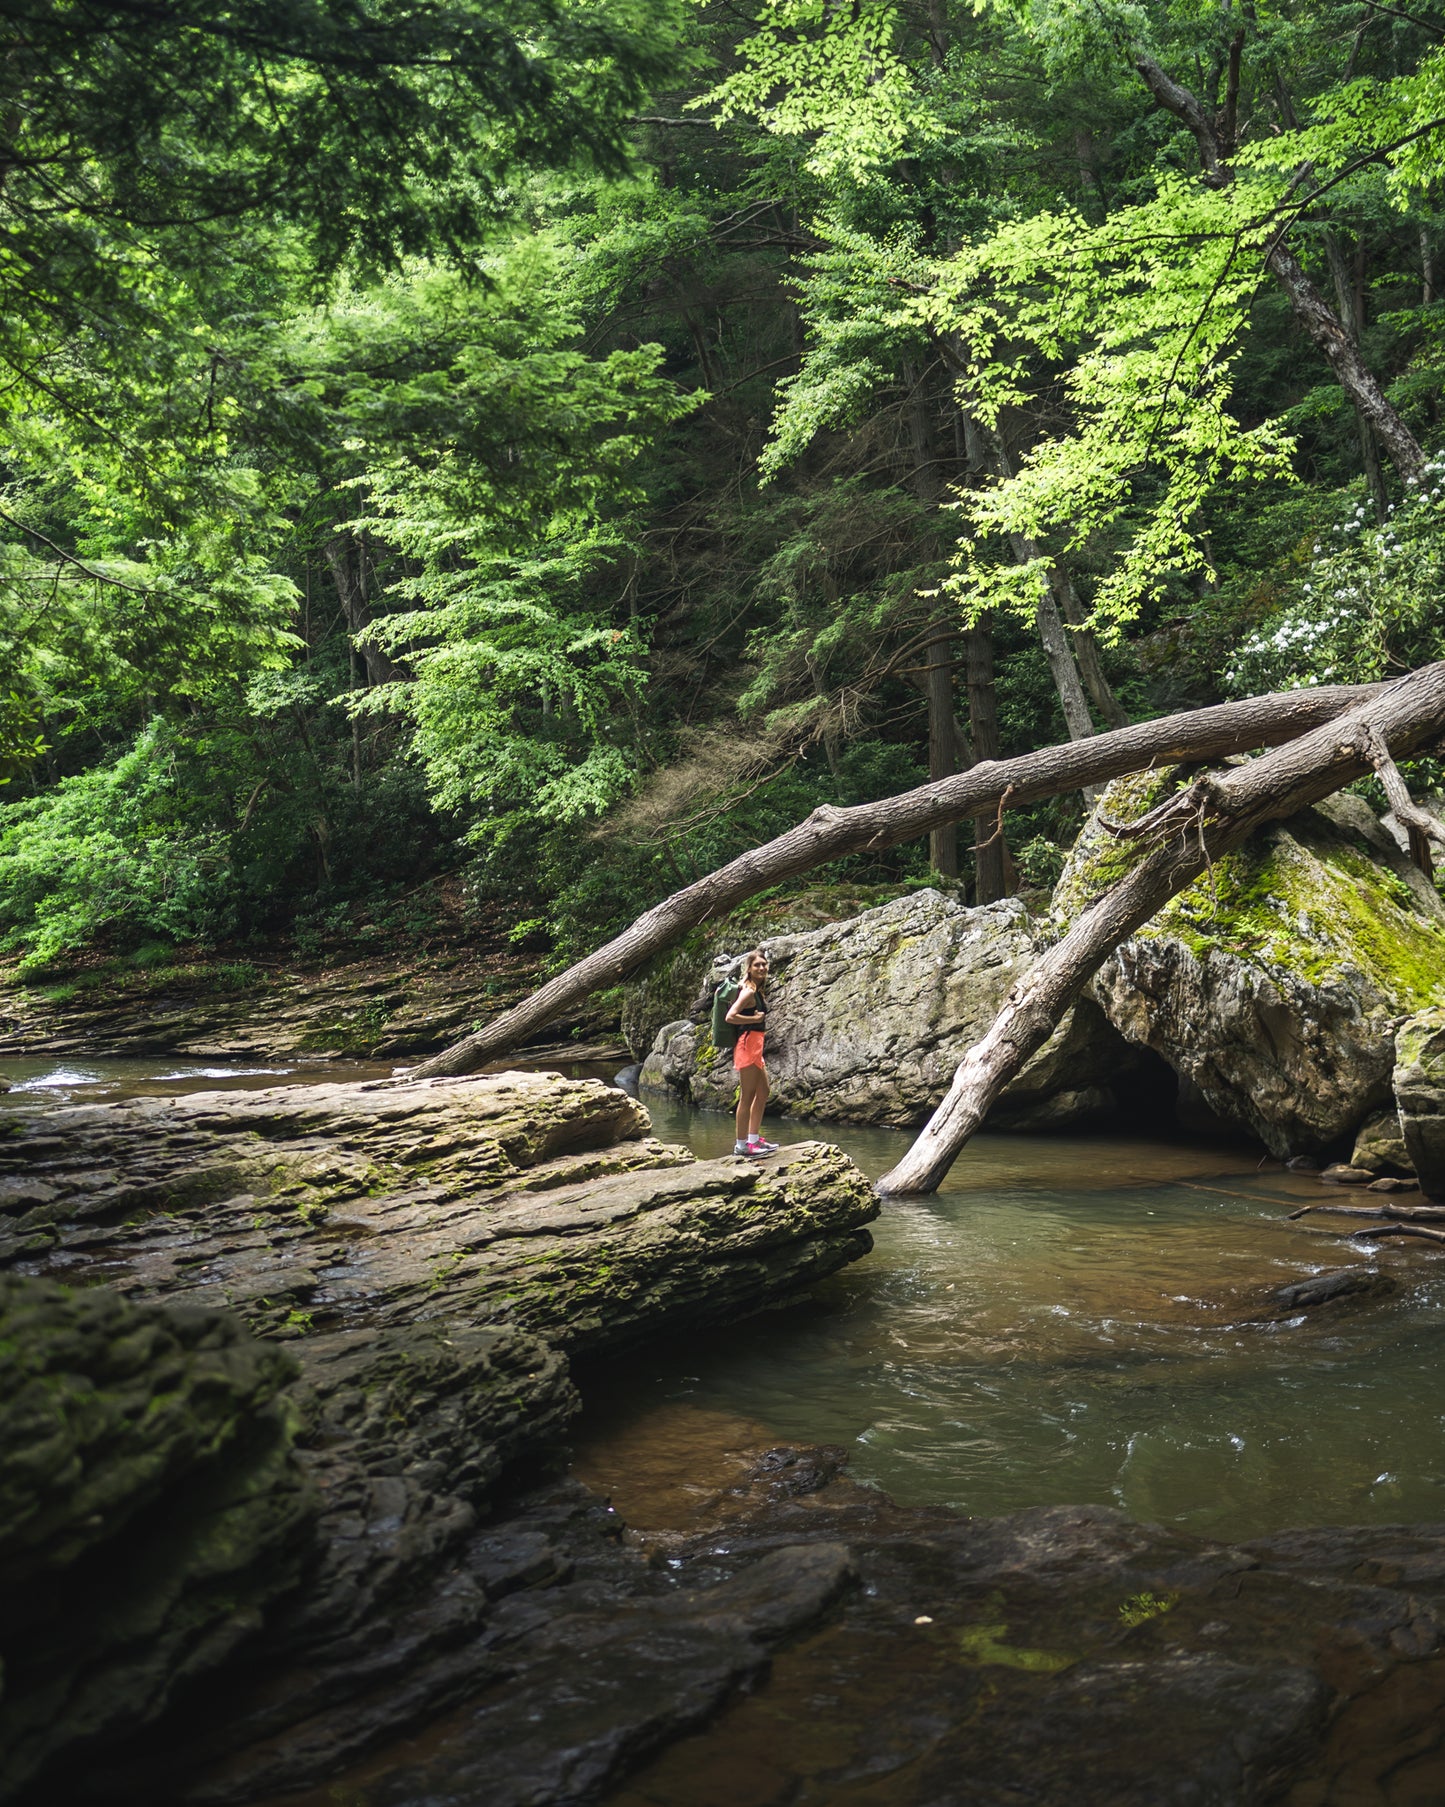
x,y
1068,1320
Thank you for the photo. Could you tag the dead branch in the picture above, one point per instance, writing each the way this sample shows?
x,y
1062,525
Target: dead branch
x,y
1427,1213
1418,823
1400,1229
829,833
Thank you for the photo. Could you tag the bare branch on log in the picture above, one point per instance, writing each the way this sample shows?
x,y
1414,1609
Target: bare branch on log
x,y
1213,816
829,834
1419,824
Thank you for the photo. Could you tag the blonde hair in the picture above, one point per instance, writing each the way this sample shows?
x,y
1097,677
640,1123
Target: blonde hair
x,y
753,953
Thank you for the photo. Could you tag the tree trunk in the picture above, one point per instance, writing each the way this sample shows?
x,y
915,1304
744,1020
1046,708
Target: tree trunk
x,y
1057,651
1086,651
1355,376
346,560
1192,829
942,745
830,834
938,665
1352,320
990,880
1078,723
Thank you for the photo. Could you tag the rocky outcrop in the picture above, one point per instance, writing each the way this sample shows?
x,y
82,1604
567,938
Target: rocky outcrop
x,y
1420,1097
423,1257
671,987
150,1509
1274,985
868,1019
519,1198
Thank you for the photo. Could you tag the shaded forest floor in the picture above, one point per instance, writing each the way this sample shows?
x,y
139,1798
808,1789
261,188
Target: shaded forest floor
x,y
384,983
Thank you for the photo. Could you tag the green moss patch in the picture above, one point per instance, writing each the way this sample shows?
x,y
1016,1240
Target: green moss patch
x,y
1303,898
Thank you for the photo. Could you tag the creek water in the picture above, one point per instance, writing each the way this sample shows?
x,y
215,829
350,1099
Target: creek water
x,y
1070,1319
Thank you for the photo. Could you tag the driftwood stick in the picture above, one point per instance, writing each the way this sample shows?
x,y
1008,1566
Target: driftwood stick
x,y
1400,1229
1224,815
828,834
1406,1213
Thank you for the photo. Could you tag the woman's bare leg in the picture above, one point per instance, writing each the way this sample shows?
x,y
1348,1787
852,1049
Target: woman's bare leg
x,y
745,1102
758,1102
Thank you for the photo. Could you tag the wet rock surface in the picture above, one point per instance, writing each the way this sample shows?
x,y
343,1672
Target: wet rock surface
x,y
869,1018
1380,1145
520,1198
817,1644
1273,986
423,1256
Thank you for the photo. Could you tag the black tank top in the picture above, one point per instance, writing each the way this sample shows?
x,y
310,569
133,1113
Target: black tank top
x,y
760,1008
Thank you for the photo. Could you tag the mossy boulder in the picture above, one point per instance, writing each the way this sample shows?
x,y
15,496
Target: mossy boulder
x,y
1420,1096
1274,984
151,1509
1380,1144
868,1018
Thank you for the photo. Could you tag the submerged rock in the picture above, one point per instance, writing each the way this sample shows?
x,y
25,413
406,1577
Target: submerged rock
x,y
868,1019
1325,1289
1061,1656
1274,984
1420,1095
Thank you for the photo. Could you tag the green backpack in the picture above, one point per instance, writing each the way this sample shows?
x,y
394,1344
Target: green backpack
x,y
725,1034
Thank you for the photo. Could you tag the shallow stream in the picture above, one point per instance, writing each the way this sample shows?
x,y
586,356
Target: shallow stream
x,y
1070,1319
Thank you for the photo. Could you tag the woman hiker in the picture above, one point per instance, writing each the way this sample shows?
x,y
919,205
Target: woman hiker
x,y
748,1014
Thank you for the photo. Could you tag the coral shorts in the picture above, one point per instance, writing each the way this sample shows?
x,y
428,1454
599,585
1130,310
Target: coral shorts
x,y
748,1050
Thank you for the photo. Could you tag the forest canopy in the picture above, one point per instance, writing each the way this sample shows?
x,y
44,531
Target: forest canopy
x,y
554,447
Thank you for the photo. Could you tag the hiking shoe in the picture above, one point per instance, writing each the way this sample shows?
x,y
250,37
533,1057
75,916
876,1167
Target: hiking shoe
x,y
762,1147
742,1148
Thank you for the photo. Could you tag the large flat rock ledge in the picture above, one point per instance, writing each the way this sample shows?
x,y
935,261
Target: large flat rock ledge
x,y
305,1338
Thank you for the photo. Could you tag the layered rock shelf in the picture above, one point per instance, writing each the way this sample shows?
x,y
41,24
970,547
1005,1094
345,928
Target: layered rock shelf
x,y
297,1523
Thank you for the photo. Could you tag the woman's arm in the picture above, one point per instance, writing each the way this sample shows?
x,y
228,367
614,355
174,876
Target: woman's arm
x,y
742,1011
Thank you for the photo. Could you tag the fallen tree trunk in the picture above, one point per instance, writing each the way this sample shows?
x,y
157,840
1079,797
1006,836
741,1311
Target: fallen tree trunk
x,y
829,834
1190,830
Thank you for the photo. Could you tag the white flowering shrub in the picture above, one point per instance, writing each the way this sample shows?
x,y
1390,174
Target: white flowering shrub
x,y
1371,603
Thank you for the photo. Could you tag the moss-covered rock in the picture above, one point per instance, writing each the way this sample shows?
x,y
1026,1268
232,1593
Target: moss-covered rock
x,y
1274,984
151,1509
1380,1145
1420,1096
